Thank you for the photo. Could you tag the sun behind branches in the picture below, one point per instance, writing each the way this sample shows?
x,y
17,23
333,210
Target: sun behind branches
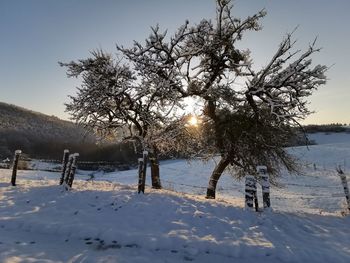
x,y
193,121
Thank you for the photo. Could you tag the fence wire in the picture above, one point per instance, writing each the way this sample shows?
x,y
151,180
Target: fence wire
x,y
334,192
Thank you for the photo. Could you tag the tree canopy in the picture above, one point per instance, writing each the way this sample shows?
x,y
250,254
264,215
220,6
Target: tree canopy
x,y
247,113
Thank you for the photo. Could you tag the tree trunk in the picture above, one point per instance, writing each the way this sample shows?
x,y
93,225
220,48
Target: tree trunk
x,y
155,170
215,176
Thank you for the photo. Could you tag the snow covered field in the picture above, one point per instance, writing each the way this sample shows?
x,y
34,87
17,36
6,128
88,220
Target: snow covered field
x,y
105,220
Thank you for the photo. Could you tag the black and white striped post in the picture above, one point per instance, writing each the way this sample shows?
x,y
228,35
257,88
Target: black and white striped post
x,y
64,165
265,185
251,197
14,167
345,185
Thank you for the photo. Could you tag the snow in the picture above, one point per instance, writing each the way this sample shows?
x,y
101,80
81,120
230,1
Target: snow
x,y
105,220
330,138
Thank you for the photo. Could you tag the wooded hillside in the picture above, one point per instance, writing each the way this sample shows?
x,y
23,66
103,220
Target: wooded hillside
x,y
38,134
43,136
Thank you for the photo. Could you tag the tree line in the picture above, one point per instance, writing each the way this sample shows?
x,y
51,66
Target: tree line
x,y
45,137
326,128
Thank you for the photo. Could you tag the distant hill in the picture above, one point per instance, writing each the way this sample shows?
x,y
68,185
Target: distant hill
x,y
327,128
37,134
45,137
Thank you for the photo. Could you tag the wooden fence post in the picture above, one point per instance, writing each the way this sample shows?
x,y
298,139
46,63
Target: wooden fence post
x,y
68,168
140,188
345,185
64,165
142,172
155,174
265,185
73,169
14,168
155,171
145,159
251,197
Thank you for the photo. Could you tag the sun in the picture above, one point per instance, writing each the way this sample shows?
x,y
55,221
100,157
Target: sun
x,y
193,121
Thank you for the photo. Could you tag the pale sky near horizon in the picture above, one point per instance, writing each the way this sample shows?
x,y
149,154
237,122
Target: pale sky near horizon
x,y
36,34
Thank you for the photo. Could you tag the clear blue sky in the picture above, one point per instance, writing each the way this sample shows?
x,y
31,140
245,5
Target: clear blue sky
x,y
36,34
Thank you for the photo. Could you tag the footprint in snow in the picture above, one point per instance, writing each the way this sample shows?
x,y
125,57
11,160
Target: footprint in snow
x,y
105,247
100,244
132,246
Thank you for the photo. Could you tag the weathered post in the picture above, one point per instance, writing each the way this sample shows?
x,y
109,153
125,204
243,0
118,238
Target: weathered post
x,y
64,164
140,188
145,158
265,185
142,172
68,168
251,197
256,203
14,168
345,185
155,171
73,169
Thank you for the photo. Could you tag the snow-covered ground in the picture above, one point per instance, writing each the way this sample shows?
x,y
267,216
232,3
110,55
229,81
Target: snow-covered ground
x,y
105,220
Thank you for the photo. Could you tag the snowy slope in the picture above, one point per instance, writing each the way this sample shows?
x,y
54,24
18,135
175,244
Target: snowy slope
x,y
105,220
109,222
330,138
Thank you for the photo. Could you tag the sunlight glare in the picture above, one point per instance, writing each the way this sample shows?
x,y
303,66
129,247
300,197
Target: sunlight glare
x,y
193,121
